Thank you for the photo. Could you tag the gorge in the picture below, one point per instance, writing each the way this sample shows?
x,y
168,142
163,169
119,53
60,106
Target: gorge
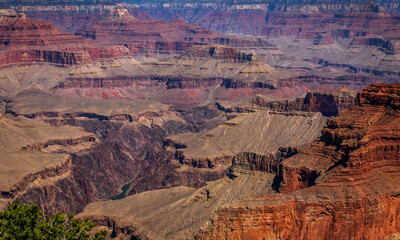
x,y
204,120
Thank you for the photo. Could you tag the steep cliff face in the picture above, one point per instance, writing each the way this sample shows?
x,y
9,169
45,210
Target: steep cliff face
x,y
321,82
34,154
9,3
23,40
303,21
307,22
171,82
158,36
344,186
253,17
329,103
282,18
58,57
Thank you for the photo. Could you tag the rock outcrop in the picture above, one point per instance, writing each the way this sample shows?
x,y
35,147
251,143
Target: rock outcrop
x,y
326,82
23,40
261,132
345,186
329,103
34,154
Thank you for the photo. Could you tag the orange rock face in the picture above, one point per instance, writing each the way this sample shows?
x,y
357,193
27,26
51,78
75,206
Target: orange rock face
x,y
344,186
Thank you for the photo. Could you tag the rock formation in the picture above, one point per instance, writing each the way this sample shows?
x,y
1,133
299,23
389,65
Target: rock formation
x,y
343,186
158,36
329,103
23,40
33,153
261,132
192,78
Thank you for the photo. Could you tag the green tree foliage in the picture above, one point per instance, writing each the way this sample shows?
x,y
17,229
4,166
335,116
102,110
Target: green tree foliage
x,y
26,222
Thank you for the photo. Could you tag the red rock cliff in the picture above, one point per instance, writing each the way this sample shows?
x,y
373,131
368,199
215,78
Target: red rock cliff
x,y
25,40
344,186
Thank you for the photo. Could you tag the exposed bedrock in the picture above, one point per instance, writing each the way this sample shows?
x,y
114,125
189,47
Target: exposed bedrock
x,y
171,82
261,132
35,154
23,40
387,46
310,82
344,186
266,163
180,212
329,103
58,57
232,83
377,73
314,82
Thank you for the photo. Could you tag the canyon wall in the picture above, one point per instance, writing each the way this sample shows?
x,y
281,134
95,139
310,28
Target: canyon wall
x,y
329,103
23,40
343,186
159,36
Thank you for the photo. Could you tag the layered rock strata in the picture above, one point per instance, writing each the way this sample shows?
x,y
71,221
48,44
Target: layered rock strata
x,y
344,186
35,154
23,40
159,36
329,103
263,132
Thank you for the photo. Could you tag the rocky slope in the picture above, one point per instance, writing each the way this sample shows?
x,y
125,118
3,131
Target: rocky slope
x,y
8,3
343,187
33,153
249,16
123,132
361,39
262,132
355,36
263,127
174,213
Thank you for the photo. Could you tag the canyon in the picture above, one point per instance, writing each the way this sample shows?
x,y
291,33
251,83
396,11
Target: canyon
x,y
343,185
204,120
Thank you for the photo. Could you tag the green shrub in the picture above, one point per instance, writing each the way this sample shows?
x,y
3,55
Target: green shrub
x,y
27,222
